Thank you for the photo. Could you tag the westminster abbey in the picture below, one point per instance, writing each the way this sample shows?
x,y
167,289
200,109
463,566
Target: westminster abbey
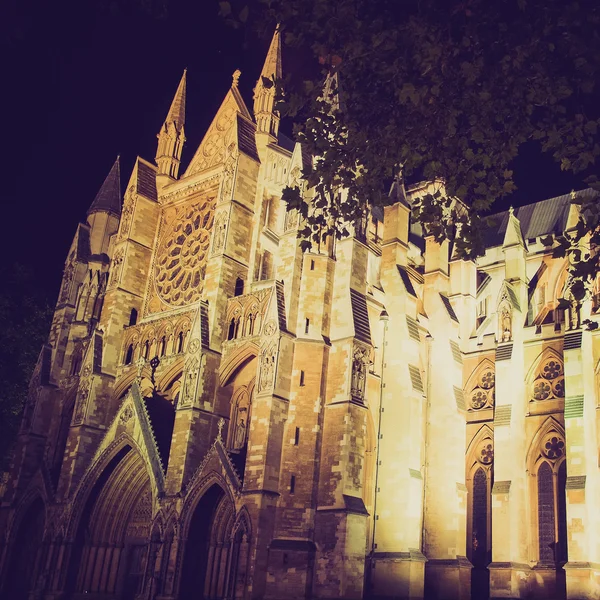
x,y
218,414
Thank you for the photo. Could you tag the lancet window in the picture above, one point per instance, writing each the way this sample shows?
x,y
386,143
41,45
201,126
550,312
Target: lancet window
x,y
551,477
479,469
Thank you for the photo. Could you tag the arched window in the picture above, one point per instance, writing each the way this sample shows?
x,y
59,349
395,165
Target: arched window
x,y
551,475
231,333
480,518
180,342
546,520
146,349
129,355
239,287
163,345
250,324
133,315
479,468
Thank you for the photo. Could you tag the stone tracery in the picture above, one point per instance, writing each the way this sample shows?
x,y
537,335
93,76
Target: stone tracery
x,y
549,382
483,391
181,261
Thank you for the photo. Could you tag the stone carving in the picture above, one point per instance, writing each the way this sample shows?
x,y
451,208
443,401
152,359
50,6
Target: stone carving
x,y
181,261
360,359
212,150
228,173
267,368
553,446
126,415
82,397
505,322
69,274
270,328
486,453
549,382
240,434
220,232
483,393
115,271
190,378
193,346
127,212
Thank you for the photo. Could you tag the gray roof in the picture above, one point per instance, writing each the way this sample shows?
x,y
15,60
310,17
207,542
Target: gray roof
x,y
108,198
537,219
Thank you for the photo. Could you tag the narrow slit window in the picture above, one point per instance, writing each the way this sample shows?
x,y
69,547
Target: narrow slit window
x,y
301,377
292,484
312,265
306,326
297,436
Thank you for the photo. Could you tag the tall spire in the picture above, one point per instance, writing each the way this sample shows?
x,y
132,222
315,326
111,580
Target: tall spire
x,y
171,136
267,119
108,198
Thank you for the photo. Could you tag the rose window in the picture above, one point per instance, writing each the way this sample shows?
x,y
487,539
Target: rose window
x,y
553,447
181,260
549,383
487,454
479,399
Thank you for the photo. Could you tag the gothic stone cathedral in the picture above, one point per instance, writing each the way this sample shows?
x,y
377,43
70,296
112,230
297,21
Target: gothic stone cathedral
x,y
217,414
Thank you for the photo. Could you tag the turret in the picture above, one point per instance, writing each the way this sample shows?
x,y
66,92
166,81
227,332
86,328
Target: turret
x,y
105,211
267,119
514,248
171,138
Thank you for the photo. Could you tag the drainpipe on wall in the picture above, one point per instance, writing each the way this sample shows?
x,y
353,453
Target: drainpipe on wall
x,y
429,339
383,318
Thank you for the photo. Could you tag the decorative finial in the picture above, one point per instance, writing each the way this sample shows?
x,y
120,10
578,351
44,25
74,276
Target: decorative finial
x,y
511,211
236,78
220,424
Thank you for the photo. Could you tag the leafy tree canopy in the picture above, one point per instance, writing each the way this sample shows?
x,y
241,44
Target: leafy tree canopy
x,y
24,322
443,91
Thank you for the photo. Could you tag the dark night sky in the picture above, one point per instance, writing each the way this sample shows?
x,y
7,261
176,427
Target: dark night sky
x,y
83,83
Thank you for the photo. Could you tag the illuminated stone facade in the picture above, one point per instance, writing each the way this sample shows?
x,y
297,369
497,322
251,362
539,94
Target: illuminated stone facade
x,y
218,414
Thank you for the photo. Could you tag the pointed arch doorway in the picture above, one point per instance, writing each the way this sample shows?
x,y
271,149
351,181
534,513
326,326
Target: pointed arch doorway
x,y
214,555
23,564
111,540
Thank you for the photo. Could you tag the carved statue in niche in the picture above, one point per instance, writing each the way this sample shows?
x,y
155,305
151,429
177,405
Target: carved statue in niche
x,y
67,279
115,271
127,212
291,219
228,172
191,374
220,229
267,369
240,433
505,323
574,314
359,373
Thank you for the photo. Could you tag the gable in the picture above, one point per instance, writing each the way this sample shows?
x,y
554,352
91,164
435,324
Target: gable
x,y
221,133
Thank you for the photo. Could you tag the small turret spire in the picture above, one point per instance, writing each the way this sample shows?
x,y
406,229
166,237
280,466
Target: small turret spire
x,y
267,119
171,136
108,198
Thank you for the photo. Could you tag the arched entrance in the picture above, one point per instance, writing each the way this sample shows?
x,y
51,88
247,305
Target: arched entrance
x,y
111,543
207,560
25,553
